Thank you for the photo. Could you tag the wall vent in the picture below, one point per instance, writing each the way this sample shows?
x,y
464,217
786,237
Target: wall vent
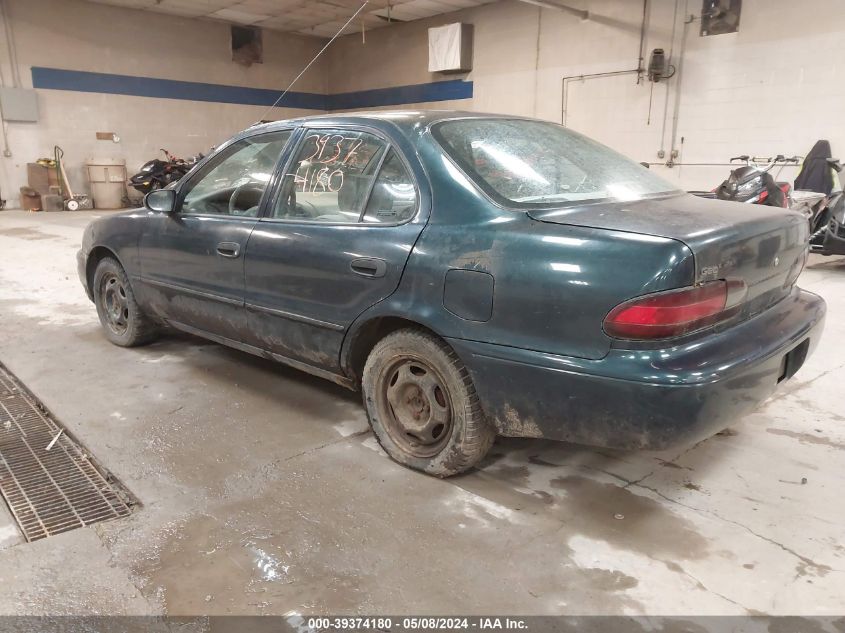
x,y
247,47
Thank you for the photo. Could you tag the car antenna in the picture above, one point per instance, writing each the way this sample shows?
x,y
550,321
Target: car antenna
x,y
316,57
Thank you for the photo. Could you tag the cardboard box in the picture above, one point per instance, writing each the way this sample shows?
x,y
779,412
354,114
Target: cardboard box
x,y
30,199
41,178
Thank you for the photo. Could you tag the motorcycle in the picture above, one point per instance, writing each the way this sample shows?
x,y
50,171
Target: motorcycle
x,y
754,184
157,173
827,226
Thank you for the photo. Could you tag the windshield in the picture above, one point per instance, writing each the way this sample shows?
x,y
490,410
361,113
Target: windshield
x,y
534,163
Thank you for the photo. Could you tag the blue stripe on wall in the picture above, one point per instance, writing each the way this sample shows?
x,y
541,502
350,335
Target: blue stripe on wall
x,y
106,83
418,93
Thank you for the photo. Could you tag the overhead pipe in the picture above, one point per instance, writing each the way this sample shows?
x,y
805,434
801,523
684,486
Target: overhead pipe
x,y
641,59
674,152
564,98
661,153
585,15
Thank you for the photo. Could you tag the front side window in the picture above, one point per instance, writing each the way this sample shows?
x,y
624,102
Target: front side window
x,y
233,182
527,163
331,176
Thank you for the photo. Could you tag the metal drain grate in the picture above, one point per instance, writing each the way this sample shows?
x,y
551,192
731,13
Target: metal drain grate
x,y
48,492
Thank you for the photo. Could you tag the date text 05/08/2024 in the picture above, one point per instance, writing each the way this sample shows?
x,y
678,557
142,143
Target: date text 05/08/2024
x,y
414,623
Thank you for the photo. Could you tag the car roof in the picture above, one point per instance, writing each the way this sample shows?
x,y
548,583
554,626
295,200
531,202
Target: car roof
x,y
405,120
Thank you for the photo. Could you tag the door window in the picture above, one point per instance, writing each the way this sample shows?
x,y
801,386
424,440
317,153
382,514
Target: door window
x,y
233,182
394,197
331,177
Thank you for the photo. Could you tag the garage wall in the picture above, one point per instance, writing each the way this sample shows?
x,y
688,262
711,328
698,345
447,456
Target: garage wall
x,y
775,87
71,35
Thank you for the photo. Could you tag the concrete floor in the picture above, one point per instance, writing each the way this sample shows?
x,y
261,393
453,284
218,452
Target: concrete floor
x,y
264,493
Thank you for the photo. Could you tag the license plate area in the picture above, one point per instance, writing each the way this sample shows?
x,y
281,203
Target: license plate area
x,y
793,360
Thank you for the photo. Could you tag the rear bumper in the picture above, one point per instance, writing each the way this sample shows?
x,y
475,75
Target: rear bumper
x,y
649,399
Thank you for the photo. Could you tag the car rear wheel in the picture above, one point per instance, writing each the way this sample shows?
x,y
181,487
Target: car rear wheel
x,y
123,321
422,405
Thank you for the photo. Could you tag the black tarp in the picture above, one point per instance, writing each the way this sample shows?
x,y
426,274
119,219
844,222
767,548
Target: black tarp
x,y
816,174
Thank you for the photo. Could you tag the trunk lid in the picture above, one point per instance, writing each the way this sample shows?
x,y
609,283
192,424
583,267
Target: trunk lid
x,y
766,247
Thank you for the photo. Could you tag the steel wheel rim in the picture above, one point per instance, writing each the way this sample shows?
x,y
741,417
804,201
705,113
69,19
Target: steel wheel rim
x,y
417,407
115,304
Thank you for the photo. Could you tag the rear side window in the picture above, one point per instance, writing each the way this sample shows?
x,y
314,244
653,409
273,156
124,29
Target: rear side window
x,y
346,177
394,197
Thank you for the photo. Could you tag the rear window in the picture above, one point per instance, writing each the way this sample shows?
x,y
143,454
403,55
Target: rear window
x,y
527,163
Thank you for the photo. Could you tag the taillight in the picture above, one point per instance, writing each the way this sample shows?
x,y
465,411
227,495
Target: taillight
x,y
676,312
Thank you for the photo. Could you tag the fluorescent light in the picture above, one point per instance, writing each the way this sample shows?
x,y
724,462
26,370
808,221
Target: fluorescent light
x,y
241,17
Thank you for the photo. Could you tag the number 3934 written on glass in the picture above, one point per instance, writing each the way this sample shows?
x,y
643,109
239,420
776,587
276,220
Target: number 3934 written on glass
x,y
324,168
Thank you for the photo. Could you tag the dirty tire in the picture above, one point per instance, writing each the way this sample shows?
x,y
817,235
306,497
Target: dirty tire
x,y
411,378
123,321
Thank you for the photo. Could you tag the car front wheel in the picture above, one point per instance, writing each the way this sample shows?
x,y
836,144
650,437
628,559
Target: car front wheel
x,y
422,405
123,321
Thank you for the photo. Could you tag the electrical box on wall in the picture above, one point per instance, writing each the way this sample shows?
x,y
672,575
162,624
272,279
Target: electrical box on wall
x,y
19,104
450,48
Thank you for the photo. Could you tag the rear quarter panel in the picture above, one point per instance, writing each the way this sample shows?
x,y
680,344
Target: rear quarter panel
x,y
552,284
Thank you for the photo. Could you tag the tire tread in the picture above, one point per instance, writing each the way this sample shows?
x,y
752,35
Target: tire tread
x,y
479,433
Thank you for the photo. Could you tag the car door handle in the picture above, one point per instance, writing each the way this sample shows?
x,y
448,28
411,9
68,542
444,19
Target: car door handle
x,y
368,267
229,249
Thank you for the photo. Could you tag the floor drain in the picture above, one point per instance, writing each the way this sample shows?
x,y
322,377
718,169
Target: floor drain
x,y
48,491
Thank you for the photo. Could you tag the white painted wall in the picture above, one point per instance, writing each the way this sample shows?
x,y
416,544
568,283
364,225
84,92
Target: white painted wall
x,y
77,35
774,87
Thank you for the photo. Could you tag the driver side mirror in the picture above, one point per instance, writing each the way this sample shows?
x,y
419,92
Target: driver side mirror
x,y
161,201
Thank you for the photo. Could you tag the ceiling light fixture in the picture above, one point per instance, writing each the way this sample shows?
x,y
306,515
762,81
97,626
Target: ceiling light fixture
x,y
546,4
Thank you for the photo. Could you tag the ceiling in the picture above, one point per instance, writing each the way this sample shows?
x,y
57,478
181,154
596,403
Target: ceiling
x,y
321,18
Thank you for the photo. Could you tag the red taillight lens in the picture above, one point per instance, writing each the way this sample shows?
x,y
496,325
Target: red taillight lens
x,y
671,313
